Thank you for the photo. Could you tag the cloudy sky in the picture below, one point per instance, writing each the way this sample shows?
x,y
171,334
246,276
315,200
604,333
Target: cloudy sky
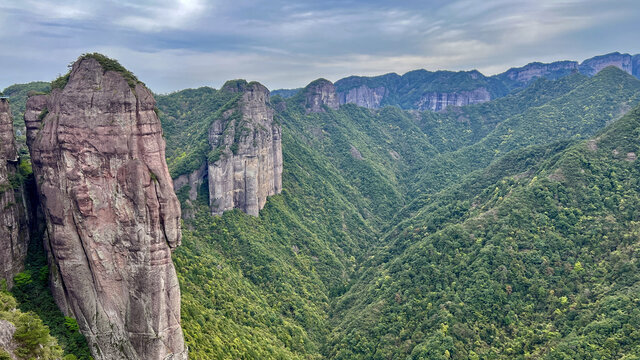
x,y
174,44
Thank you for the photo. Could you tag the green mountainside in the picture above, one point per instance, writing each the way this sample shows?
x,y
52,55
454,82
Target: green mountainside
x,y
542,263
502,230
348,263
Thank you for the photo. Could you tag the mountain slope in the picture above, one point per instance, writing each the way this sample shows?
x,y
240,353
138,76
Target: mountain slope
x,y
579,113
538,264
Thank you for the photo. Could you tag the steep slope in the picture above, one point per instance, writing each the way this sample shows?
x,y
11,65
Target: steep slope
x,y
14,234
260,287
540,261
419,89
112,217
578,113
245,160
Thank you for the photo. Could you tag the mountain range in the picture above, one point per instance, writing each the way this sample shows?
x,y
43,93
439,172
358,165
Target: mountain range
x,y
433,215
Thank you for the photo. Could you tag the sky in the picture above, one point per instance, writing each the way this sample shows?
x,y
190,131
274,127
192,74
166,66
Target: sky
x,y
177,44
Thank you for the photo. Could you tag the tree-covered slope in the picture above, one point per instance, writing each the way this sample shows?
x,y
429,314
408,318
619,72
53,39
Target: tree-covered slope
x,y
260,287
578,113
539,262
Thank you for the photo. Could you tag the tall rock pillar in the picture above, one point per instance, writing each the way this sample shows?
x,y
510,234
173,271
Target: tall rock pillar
x,y
112,216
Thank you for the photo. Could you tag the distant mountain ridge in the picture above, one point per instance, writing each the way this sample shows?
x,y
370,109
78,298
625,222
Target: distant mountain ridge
x,y
435,91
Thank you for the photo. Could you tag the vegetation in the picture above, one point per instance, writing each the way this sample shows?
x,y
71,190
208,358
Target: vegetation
x,y
31,336
348,263
107,64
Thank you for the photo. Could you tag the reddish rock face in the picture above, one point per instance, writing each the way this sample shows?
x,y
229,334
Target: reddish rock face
x,y
112,216
14,238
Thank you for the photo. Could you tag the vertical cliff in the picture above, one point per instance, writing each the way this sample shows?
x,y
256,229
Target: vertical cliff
x,y
14,237
593,65
112,216
245,161
318,94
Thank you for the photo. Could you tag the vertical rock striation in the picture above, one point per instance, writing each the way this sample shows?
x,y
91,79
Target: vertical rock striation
x,y
14,237
364,96
436,101
318,94
112,216
593,65
245,162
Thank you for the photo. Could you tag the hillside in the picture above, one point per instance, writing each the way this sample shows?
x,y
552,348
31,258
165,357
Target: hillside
x,y
539,262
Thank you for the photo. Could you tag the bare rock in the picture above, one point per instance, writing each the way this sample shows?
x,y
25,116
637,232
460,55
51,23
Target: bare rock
x,y
438,101
245,162
7,343
112,216
318,94
593,66
14,237
364,96
524,75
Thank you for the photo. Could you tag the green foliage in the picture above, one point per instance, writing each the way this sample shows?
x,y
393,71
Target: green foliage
x,y
540,263
186,117
386,244
34,297
31,335
18,94
107,64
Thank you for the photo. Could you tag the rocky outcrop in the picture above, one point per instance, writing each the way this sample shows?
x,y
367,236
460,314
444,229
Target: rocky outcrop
x,y
364,96
636,65
435,101
318,94
593,65
245,162
194,180
14,237
111,214
522,76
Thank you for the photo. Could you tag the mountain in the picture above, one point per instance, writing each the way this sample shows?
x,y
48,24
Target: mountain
x,y
111,214
436,91
501,229
538,261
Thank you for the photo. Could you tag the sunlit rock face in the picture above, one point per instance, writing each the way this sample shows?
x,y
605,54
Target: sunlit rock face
x,y
245,163
112,216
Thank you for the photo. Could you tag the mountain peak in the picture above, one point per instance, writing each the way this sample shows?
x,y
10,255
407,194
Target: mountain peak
x,y
320,93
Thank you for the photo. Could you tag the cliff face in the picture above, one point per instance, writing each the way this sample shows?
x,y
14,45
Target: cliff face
x,y
435,101
318,94
592,66
364,96
112,217
14,237
636,66
245,162
524,75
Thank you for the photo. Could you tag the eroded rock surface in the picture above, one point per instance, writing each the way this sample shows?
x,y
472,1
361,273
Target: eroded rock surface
x,y
14,238
245,162
364,96
112,216
593,65
320,93
436,101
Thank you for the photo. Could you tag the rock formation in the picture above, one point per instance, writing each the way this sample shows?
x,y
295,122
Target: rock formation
x,y
318,94
112,216
593,65
364,96
245,162
436,101
522,76
14,237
